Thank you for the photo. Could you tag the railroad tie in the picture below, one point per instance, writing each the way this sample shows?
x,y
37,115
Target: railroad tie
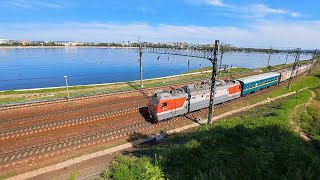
x,y
19,155
6,158
25,154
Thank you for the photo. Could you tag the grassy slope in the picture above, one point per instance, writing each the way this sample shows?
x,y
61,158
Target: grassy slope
x,y
260,143
257,144
309,116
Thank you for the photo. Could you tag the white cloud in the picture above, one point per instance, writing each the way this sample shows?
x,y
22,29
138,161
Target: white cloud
x,y
264,33
31,4
249,10
296,14
216,2
263,10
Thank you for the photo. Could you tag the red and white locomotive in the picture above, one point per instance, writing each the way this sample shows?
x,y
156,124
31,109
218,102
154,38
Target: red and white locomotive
x,y
167,104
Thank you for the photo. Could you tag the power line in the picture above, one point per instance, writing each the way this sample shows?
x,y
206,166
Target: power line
x,y
294,66
210,54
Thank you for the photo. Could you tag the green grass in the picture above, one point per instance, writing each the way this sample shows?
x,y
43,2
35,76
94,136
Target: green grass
x,y
132,168
232,70
241,70
310,116
310,121
281,66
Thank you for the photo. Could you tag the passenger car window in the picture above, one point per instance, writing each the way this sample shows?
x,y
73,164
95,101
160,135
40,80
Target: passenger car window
x,y
164,104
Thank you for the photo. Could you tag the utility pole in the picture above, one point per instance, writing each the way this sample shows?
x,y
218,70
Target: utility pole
x,y
315,54
286,60
294,67
211,55
213,60
140,60
221,57
268,65
66,78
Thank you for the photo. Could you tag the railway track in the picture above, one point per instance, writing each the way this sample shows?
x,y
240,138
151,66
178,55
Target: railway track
x,y
44,148
68,112
58,101
47,126
50,149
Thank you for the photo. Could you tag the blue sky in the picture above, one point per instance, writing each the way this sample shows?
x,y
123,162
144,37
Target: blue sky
x,y
285,23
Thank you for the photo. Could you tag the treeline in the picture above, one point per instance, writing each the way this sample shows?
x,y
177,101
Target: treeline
x,y
32,44
177,45
144,44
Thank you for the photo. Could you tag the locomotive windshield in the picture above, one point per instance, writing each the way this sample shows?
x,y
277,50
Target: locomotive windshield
x,y
154,101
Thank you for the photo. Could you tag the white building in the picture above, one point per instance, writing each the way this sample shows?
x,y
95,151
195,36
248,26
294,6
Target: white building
x,y
4,41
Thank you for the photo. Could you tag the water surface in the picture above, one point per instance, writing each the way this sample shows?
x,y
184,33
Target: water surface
x,y
23,68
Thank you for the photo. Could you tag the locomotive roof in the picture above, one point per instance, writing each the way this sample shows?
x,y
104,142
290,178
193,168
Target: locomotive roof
x,y
207,85
258,77
290,69
284,70
162,94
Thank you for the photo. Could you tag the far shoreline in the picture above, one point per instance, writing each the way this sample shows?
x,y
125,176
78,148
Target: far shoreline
x,y
66,47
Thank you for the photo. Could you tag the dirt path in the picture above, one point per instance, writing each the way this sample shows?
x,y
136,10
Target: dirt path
x,y
297,125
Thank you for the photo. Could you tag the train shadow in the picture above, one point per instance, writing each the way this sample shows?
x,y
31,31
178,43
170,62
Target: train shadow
x,y
144,113
150,140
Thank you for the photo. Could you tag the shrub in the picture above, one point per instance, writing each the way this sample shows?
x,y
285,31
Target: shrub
x,y
133,168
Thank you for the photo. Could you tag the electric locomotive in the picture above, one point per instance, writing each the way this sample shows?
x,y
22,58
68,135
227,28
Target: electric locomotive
x,y
167,104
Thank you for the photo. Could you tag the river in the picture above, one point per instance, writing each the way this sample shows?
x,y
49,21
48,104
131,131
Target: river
x,y
24,68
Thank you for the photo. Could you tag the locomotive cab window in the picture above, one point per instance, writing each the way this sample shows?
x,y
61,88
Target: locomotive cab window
x,y
164,104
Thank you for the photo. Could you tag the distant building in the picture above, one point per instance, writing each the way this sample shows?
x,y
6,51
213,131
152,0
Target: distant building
x,y
73,43
69,43
4,41
25,42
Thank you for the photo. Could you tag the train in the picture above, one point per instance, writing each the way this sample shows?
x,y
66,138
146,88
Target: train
x,y
166,104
